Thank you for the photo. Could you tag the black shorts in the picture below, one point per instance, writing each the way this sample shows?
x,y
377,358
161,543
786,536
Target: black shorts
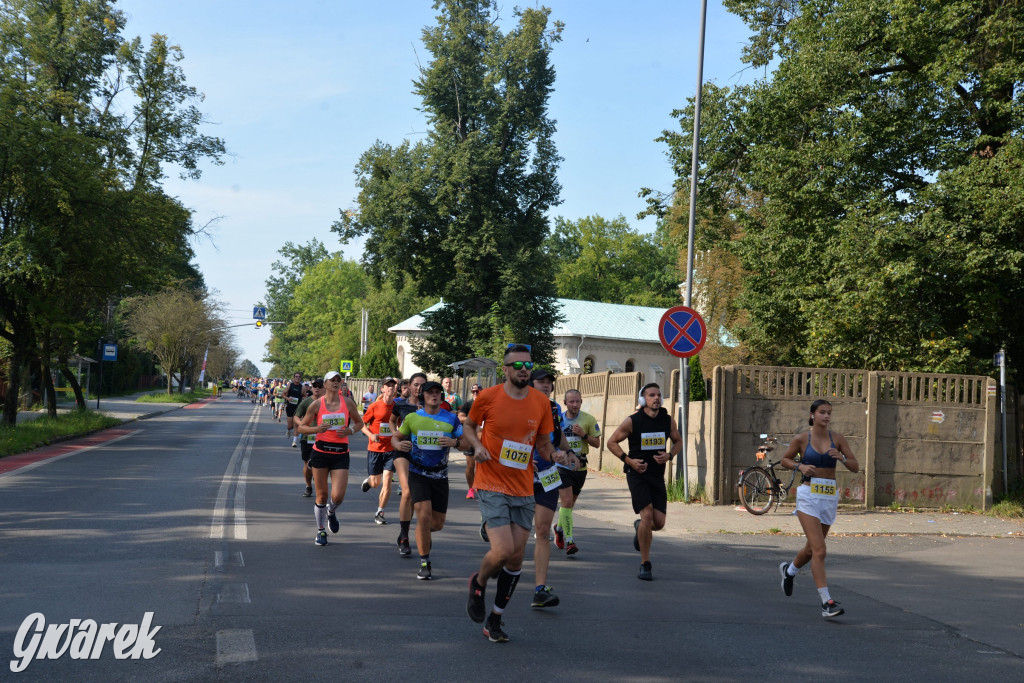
x,y
290,409
328,461
647,490
576,479
306,450
435,490
378,461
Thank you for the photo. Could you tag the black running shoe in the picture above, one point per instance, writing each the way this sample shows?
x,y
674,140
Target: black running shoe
x,y
424,574
645,572
332,522
308,492
475,605
636,535
379,518
403,547
493,631
366,485
545,597
831,609
787,580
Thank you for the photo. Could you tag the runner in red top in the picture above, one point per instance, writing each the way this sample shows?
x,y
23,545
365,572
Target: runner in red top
x,y
380,456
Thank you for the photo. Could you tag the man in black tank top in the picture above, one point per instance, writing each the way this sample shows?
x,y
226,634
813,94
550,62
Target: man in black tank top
x,y
293,396
648,432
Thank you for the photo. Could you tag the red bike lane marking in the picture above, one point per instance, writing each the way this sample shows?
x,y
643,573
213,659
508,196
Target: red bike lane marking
x,y
13,463
201,403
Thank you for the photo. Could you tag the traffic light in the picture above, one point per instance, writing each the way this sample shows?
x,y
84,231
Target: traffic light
x,y
259,324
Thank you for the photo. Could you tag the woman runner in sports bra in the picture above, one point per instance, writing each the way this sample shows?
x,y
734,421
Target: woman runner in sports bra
x,y
817,498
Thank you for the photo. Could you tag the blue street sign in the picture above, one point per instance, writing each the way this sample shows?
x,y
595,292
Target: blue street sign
x,y
110,352
682,331
346,366
259,312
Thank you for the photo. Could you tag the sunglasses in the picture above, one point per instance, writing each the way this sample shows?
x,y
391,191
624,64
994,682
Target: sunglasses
x,y
520,364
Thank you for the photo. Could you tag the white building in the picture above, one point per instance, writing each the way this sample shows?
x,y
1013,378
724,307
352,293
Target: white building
x,y
594,337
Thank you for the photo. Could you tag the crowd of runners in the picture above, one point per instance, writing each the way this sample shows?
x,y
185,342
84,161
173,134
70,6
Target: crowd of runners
x,y
526,466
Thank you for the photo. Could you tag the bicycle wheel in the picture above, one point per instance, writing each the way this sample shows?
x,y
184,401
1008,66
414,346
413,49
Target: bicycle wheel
x,y
755,489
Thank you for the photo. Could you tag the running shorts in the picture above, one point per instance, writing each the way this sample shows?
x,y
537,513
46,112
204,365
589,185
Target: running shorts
x,y
646,490
425,488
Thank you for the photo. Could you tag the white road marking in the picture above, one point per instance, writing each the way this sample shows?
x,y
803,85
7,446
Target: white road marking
x,y
234,592
220,510
235,646
222,559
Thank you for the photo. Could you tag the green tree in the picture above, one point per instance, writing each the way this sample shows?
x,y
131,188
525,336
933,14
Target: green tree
x,y
875,182
380,361
177,327
464,211
286,273
600,260
87,121
246,368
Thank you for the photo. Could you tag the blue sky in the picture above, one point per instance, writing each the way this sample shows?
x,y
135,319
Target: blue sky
x,y
299,90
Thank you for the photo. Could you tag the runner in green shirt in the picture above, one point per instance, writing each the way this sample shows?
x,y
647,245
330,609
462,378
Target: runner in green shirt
x,y
581,432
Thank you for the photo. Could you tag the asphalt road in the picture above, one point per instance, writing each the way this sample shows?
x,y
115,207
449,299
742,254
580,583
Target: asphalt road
x,y
197,517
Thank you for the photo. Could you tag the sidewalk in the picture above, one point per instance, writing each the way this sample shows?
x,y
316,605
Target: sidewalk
x,y
606,498
124,408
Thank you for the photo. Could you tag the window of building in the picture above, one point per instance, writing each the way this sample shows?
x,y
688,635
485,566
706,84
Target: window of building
x,y
588,365
630,365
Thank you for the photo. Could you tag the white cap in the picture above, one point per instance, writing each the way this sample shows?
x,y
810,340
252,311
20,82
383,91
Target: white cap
x,y
331,375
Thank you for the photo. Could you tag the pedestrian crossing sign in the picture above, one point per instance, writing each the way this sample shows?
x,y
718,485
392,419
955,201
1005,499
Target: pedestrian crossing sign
x,y
346,366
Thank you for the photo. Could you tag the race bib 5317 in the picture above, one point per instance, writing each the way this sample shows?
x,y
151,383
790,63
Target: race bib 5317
x,y
427,440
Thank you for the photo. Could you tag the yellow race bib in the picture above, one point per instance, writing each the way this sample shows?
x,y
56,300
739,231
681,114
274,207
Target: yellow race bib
x,y
515,455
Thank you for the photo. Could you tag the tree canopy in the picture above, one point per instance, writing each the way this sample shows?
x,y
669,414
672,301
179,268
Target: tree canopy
x,y
869,189
88,121
463,212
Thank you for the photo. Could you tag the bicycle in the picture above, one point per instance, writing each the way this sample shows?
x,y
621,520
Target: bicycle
x,y
759,487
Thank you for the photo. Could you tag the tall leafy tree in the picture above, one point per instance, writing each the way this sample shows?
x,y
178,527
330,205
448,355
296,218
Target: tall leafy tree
x,y
285,275
87,122
464,211
870,186
595,259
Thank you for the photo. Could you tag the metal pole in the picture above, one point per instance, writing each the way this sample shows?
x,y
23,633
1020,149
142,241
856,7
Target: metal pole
x,y
684,375
1002,412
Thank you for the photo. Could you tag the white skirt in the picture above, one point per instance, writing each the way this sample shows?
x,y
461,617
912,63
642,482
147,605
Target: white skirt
x,y
824,509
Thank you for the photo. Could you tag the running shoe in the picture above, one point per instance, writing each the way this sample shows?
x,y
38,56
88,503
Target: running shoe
x,y
492,629
471,494
379,518
295,444
571,548
366,485
321,537
559,538
636,535
403,547
332,522
308,492
483,532
787,580
645,572
831,609
424,574
475,605
545,597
